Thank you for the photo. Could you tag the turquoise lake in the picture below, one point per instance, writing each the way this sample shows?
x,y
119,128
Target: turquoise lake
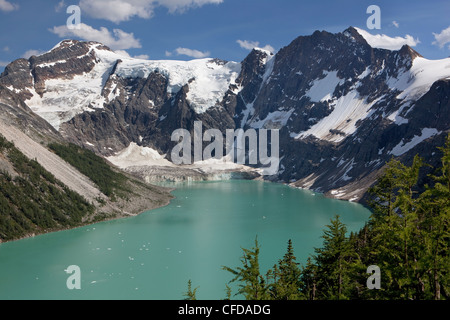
x,y
152,256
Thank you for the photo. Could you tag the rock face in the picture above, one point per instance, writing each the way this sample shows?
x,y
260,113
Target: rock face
x,y
342,107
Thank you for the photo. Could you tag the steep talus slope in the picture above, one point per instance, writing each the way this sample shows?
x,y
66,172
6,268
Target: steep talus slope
x,y
30,134
32,200
51,162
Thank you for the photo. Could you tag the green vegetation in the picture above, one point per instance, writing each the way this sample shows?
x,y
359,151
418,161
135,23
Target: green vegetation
x,y
190,294
109,182
32,200
407,237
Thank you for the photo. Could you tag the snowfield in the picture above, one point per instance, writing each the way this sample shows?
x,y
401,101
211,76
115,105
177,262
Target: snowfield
x,y
348,110
414,83
322,89
404,147
208,82
210,79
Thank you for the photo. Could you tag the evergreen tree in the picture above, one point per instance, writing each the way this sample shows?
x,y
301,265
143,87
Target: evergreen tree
x,y
190,294
410,241
285,284
332,264
308,280
251,283
407,237
434,218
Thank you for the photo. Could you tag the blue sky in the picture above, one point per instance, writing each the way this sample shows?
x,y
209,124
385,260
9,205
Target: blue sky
x,y
187,29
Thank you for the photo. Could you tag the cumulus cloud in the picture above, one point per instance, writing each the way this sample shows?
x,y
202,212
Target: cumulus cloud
x,y
116,40
60,6
32,52
142,56
250,45
183,5
124,10
383,41
442,38
126,54
192,53
8,6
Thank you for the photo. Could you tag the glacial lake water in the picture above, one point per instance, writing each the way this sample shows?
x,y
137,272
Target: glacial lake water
x,y
152,256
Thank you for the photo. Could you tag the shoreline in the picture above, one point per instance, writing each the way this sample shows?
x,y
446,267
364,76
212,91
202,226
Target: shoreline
x,y
143,202
134,206
90,223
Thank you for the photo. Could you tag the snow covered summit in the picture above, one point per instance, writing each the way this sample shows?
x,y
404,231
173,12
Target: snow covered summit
x,y
343,106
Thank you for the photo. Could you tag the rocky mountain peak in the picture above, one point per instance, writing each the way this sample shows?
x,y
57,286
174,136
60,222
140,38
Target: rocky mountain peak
x,y
352,33
342,107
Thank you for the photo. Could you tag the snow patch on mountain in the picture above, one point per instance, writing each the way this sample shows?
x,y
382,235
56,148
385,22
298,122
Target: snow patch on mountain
x,y
135,155
274,120
322,89
139,156
417,81
208,81
335,127
64,99
269,62
403,147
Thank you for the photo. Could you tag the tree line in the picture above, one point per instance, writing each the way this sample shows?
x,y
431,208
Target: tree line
x,y
111,183
32,200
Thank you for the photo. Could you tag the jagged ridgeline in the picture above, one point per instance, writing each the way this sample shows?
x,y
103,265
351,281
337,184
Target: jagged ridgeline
x,y
32,200
343,107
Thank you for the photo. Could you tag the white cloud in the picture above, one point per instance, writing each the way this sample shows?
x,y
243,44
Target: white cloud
x,y
123,10
3,63
395,24
250,45
383,41
123,53
32,52
8,6
60,6
117,10
142,56
116,40
183,5
442,38
191,53
168,54
126,54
